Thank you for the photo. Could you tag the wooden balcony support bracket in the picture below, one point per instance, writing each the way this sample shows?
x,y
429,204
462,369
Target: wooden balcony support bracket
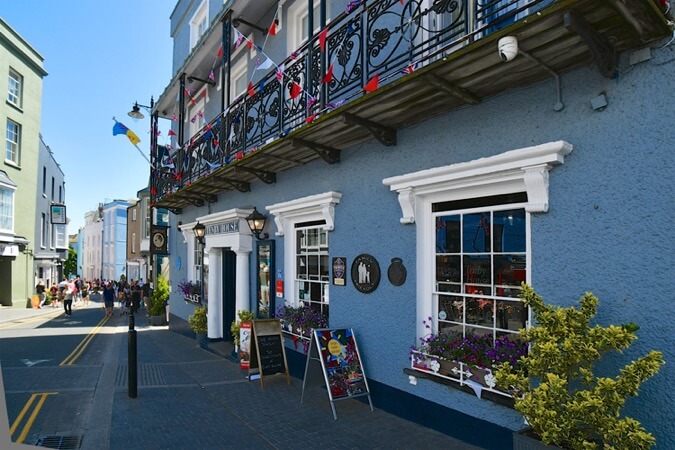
x,y
386,135
264,176
451,89
639,16
602,52
241,186
329,154
176,211
211,198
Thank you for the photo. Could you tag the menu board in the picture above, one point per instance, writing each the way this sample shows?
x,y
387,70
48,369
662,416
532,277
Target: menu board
x,y
268,355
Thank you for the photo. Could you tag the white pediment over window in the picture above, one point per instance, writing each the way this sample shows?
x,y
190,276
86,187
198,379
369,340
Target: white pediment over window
x,y
521,170
314,207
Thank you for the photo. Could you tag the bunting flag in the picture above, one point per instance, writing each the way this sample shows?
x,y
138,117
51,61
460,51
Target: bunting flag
x,y
294,55
329,75
322,39
279,72
212,77
249,44
251,89
172,133
331,106
351,6
220,52
238,38
263,65
295,90
311,118
410,69
174,118
311,102
192,101
153,191
273,27
194,119
372,84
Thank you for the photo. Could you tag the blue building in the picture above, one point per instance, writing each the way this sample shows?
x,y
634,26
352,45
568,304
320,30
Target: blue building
x,y
415,162
114,241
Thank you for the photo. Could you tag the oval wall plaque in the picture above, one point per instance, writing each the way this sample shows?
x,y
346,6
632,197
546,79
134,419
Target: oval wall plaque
x,y
365,273
397,272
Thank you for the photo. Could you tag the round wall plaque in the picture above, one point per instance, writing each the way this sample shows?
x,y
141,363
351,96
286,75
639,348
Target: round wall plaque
x,y
365,273
397,272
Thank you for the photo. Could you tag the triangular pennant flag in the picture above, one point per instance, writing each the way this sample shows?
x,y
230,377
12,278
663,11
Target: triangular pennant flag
x,y
220,52
329,75
251,90
410,69
295,90
280,72
294,54
263,65
249,44
192,101
311,118
322,39
153,191
372,84
172,133
174,118
311,102
212,77
273,28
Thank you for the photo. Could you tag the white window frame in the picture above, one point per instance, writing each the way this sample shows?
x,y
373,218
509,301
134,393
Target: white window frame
x,y
295,14
15,88
287,215
13,143
133,214
7,191
238,71
43,231
201,98
199,23
133,242
521,170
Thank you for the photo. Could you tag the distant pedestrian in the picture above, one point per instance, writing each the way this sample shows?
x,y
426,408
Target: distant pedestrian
x,y
146,296
135,297
68,298
40,291
86,287
109,299
54,295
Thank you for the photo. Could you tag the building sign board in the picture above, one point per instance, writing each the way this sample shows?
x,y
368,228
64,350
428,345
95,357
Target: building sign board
x,y
223,227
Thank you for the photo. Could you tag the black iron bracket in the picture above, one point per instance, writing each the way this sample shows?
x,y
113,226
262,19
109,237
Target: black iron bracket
x,y
265,176
602,52
211,198
207,81
175,211
386,135
239,20
329,154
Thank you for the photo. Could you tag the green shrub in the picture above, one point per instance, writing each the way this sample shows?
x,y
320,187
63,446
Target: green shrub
x,y
159,297
555,388
197,320
244,316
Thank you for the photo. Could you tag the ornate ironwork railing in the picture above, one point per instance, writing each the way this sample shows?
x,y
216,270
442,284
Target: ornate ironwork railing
x,y
387,38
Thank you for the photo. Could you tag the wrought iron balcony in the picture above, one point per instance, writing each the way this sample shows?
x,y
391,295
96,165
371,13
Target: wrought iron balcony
x,y
427,61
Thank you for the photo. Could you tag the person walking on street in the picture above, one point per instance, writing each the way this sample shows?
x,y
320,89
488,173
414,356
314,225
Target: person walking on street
x,y
40,291
109,299
77,293
54,295
85,292
68,298
146,296
135,297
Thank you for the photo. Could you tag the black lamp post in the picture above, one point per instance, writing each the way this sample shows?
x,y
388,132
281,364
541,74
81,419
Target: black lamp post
x,y
256,222
136,113
200,230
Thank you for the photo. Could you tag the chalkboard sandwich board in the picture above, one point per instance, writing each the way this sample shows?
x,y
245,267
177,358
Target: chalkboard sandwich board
x,y
268,355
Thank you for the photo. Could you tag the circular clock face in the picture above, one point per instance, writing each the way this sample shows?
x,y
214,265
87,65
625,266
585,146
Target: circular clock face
x,y
158,239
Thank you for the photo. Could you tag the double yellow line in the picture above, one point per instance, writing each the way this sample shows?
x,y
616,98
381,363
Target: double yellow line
x,y
70,359
31,419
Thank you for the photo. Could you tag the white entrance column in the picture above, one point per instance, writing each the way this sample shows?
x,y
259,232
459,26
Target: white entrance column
x,y
242,300
215,309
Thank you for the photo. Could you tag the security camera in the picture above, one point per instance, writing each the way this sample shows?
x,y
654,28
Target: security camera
x,y
508,48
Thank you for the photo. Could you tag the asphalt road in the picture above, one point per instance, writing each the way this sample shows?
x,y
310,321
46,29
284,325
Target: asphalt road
x,y
51,364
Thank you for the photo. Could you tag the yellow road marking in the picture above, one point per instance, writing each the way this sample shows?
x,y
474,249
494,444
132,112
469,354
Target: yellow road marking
x,y
70,359
33,416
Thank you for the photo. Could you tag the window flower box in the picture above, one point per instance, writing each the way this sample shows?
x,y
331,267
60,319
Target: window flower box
x,y
466,359
299,323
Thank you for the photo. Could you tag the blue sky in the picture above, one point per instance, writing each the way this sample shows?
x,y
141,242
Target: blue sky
x,y
101,57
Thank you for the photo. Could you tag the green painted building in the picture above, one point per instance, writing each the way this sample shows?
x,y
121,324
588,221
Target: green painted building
x,y
21,67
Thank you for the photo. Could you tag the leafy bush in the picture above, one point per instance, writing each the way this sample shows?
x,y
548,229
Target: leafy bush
x,y
555,388
197,320
244,316
159,297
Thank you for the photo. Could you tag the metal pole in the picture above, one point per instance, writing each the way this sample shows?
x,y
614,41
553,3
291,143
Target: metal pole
x,y
201,274
133,378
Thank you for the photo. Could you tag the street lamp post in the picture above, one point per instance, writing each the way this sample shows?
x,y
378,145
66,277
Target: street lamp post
x,y
200,230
